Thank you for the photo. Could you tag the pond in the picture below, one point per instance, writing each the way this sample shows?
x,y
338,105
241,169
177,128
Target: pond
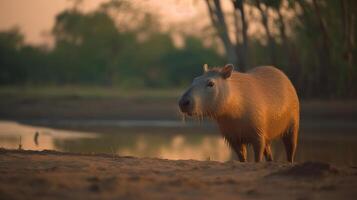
x,y
168,140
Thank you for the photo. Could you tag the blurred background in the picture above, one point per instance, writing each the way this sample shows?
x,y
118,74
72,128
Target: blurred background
x,y
105,75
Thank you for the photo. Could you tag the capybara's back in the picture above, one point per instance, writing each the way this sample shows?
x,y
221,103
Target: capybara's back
x,y
278,104
272,96
250,108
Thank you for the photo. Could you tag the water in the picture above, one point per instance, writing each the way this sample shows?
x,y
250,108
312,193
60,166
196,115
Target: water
x,y
169,140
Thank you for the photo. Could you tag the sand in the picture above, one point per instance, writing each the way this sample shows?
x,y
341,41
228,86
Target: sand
x,y
56,175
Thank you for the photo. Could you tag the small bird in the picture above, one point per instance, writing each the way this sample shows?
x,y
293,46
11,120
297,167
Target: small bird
x,y
20,144
35,138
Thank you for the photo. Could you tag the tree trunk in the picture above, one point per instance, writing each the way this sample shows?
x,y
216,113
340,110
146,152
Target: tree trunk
x,y
271,42
313,79
348,21
324,53
282,29
243,59
218,21
293,60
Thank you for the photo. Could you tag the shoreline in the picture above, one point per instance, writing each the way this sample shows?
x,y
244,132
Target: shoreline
x,y
137,106
200,143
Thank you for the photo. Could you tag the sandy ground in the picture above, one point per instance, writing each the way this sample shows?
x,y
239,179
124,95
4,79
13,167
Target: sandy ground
x,y
55,175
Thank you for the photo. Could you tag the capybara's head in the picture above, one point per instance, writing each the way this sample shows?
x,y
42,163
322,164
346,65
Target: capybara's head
x,y
207,92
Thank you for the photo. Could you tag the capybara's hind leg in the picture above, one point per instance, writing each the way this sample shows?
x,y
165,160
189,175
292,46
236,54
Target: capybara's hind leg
x,y
290,142
267,152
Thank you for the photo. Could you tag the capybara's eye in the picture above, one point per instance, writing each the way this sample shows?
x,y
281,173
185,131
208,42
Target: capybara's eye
x,y
210,84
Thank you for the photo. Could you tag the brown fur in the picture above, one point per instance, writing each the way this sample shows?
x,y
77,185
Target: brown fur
x,y
254,108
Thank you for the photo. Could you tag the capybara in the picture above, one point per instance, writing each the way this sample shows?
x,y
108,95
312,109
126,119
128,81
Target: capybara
x,y
250,108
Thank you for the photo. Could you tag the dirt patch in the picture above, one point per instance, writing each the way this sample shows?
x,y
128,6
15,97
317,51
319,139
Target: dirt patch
x,y
58,175
310,169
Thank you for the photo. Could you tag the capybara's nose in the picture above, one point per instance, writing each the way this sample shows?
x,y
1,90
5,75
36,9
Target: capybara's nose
x,y
184,104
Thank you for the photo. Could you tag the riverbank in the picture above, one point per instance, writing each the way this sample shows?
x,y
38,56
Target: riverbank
x,y
56,175
71,102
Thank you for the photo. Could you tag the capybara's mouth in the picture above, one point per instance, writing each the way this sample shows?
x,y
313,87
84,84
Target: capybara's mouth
x,y
187,113
190,113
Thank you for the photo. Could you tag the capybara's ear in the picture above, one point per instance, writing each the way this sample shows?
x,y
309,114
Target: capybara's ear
x,y
205,68
227,70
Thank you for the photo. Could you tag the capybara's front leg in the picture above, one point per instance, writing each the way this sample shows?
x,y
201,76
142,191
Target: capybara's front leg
x,y
239,148
259,147
267,152
242,152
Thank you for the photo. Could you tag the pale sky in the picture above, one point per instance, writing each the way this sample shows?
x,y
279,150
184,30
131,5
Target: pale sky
x,y
35,18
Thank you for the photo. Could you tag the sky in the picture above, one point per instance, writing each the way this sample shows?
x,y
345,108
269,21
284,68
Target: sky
x,y
35,18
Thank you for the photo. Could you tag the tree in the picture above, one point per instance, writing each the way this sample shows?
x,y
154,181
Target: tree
x,y
271,42
186,63
218,21
243,51
92,41
11,43
348,26
289,50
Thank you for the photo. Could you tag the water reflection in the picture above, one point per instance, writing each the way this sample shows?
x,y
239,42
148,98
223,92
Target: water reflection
x,y
13,135
132,143
170,142
180,147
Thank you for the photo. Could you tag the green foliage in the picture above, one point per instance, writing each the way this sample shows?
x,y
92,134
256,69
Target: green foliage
x,y
12,70
309,42
90,49
190,59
